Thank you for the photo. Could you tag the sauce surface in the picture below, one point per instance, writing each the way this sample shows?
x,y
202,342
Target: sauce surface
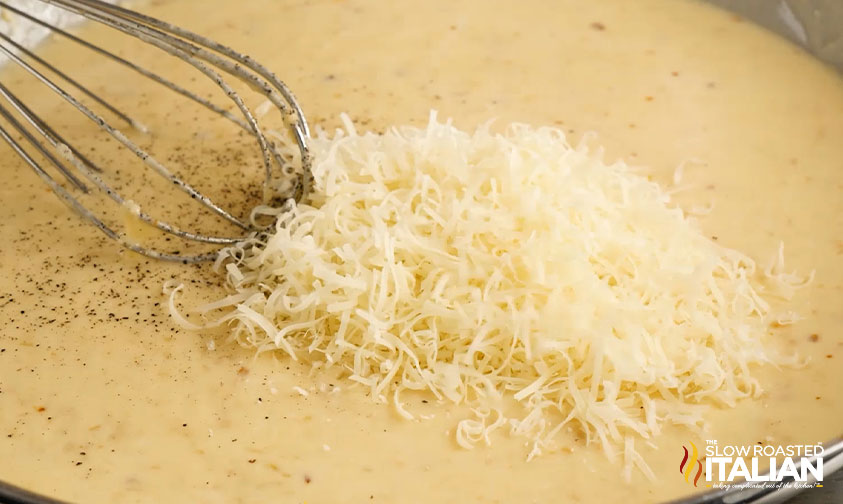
x,y
103,399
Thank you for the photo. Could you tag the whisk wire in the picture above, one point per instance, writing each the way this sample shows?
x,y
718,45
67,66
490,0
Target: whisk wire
x,y
166,37
128,64
76,206
131,122
81,165
38,145
44,129
195,50
271,86
123,139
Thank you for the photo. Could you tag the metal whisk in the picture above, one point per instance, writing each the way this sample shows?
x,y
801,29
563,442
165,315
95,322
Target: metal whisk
x,y
285,178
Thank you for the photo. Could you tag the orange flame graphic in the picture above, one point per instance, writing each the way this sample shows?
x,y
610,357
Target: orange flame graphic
x,y
686,467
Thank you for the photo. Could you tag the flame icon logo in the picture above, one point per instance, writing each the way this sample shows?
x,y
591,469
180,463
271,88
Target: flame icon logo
x,y
686,467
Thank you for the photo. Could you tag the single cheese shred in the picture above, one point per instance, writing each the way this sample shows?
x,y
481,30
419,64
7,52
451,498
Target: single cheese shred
x,y
547,291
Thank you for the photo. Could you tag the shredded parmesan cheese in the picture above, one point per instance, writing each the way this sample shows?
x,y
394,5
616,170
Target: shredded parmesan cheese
x,y
485,268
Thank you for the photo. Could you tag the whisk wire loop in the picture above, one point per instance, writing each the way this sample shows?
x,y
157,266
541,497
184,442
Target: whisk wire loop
x,y
207,56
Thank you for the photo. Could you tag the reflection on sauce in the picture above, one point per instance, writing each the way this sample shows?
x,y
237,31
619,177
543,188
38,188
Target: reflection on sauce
x,y
102,399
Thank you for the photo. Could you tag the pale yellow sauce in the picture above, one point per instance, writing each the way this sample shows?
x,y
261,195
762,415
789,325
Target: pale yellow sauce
x,y
102,399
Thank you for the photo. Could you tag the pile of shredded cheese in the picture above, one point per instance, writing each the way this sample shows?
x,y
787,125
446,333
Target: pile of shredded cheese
x,y
485,268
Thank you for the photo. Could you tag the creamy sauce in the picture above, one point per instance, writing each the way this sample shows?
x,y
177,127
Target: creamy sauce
x,y
102,399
